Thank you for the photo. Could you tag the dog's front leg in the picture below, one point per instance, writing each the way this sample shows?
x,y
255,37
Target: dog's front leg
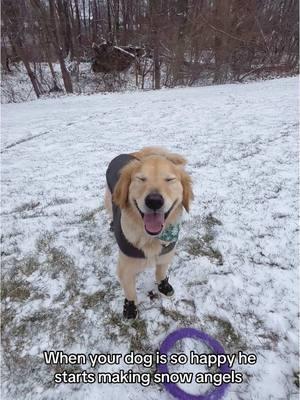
x,y
161,277
127,278
108,202
127,271
161,272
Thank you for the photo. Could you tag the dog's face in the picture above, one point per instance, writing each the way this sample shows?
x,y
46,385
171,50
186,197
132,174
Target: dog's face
x,y
154,188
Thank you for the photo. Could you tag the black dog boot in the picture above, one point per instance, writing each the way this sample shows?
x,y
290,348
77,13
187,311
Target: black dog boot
x,y
129,309
111,226
165,288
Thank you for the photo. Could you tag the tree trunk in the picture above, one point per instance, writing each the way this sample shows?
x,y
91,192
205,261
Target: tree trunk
x,y
221,48
156,67
10,15
22,54
59,51
71,38
154,7
60,25
178,63
94,21
5,59
78,37
110,32
84,21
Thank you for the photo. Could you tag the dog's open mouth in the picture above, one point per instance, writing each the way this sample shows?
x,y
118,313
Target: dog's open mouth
x,y
153,220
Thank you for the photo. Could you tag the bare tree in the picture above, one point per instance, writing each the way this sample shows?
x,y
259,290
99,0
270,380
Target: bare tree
x,y
12,12
185,41
154,29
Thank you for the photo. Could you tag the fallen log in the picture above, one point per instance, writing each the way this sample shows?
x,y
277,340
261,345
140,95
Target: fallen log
x,y
109,58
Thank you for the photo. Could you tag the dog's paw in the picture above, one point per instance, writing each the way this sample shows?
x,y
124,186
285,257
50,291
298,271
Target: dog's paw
x,y
129,310
111,226
165,288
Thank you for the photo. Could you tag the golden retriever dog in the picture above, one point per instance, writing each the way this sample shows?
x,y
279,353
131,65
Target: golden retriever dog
x,y
146,194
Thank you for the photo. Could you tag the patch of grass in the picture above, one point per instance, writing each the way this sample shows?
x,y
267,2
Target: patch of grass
x,y
16,290
110,289
226,333
258,323
210,221
28,327
106,250
23,326
10,245
91,238
44,242
59,200
203,246
175,315
216,254
89,216
19,331
10,235
57,256
37,295
197,283
139,342
135,332
189,303
7,316
57,262
31,205
39,316
271,339
194,247
164,326
91,300
68,328
74,323
29,265
59,368
296,377
19,368
208,238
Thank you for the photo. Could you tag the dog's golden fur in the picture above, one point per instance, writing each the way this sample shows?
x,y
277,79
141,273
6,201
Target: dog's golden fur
x,y
155,169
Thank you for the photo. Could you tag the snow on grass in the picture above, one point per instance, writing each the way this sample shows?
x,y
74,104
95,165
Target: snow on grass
x,y
16,86
235,273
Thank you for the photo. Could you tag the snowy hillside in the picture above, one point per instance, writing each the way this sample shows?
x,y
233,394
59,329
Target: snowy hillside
x,y
235,272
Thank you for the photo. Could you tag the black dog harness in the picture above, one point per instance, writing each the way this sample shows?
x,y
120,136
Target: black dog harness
x,y
112,176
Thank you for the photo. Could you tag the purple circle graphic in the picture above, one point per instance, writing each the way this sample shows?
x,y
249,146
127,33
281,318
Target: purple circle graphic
x,y
184,333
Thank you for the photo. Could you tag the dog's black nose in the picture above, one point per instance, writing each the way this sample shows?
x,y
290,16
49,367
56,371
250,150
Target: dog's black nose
x,y
154,201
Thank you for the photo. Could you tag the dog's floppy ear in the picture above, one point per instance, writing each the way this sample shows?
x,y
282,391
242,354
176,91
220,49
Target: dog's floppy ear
x,y
176,159
120,193
187,195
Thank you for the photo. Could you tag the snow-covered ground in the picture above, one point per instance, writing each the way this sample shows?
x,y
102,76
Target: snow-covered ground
x,y
236,269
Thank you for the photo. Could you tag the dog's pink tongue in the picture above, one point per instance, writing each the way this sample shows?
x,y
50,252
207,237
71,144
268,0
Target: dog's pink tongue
x,y
154,222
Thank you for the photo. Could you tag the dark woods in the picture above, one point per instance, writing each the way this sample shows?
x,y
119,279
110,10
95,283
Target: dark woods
x,y
172,42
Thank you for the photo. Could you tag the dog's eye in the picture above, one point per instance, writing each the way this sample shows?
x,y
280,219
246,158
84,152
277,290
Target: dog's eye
x,y
141,178
170,179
